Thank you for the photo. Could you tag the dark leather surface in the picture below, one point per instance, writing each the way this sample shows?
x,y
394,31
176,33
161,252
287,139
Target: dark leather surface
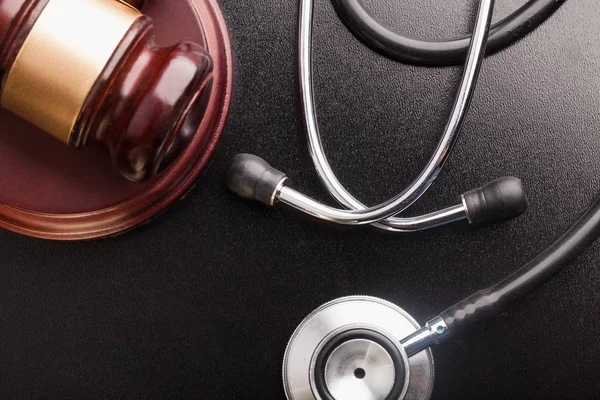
x,y
200,303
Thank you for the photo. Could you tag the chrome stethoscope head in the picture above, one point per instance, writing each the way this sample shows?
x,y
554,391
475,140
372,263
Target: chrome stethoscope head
x,y
359,348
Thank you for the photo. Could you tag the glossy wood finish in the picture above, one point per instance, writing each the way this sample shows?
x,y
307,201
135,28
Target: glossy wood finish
x,y
51,191
8,11
147,102
16,19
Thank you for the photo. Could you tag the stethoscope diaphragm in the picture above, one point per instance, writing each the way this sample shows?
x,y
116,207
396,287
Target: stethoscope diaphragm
x,y
350,349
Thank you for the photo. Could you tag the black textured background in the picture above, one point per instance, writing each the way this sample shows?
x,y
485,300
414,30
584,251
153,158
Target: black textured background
x,y
200,303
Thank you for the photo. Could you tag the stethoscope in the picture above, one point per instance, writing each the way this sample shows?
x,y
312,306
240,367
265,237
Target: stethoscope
x,y
367,348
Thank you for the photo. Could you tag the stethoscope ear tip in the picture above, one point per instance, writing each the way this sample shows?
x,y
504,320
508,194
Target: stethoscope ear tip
x,y
499,200
253,178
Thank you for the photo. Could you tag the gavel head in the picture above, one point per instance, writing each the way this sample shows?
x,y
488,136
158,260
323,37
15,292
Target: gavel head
x,y
85,70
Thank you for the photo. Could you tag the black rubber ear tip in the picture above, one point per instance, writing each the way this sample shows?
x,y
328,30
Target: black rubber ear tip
x,y
253,178
499,200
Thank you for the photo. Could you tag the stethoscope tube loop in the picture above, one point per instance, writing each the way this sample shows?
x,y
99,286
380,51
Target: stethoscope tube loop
x,y
444,52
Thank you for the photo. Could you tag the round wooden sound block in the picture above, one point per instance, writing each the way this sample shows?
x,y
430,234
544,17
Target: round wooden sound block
x,y
53,191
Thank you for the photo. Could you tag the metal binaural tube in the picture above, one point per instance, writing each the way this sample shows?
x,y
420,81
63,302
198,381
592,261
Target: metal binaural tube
x,y
309,206
435,164
251,177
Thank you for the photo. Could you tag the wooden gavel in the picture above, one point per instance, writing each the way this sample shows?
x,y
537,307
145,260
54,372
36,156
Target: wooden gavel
x,y
85,70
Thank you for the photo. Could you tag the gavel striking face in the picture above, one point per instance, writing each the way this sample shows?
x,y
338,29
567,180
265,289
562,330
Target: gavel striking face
x,y
85,70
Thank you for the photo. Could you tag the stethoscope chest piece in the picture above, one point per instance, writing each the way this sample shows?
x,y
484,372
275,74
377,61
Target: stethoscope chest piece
x,y
349,349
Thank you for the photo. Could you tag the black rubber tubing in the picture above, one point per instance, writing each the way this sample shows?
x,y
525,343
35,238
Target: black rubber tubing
x,y
494,300
436,53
